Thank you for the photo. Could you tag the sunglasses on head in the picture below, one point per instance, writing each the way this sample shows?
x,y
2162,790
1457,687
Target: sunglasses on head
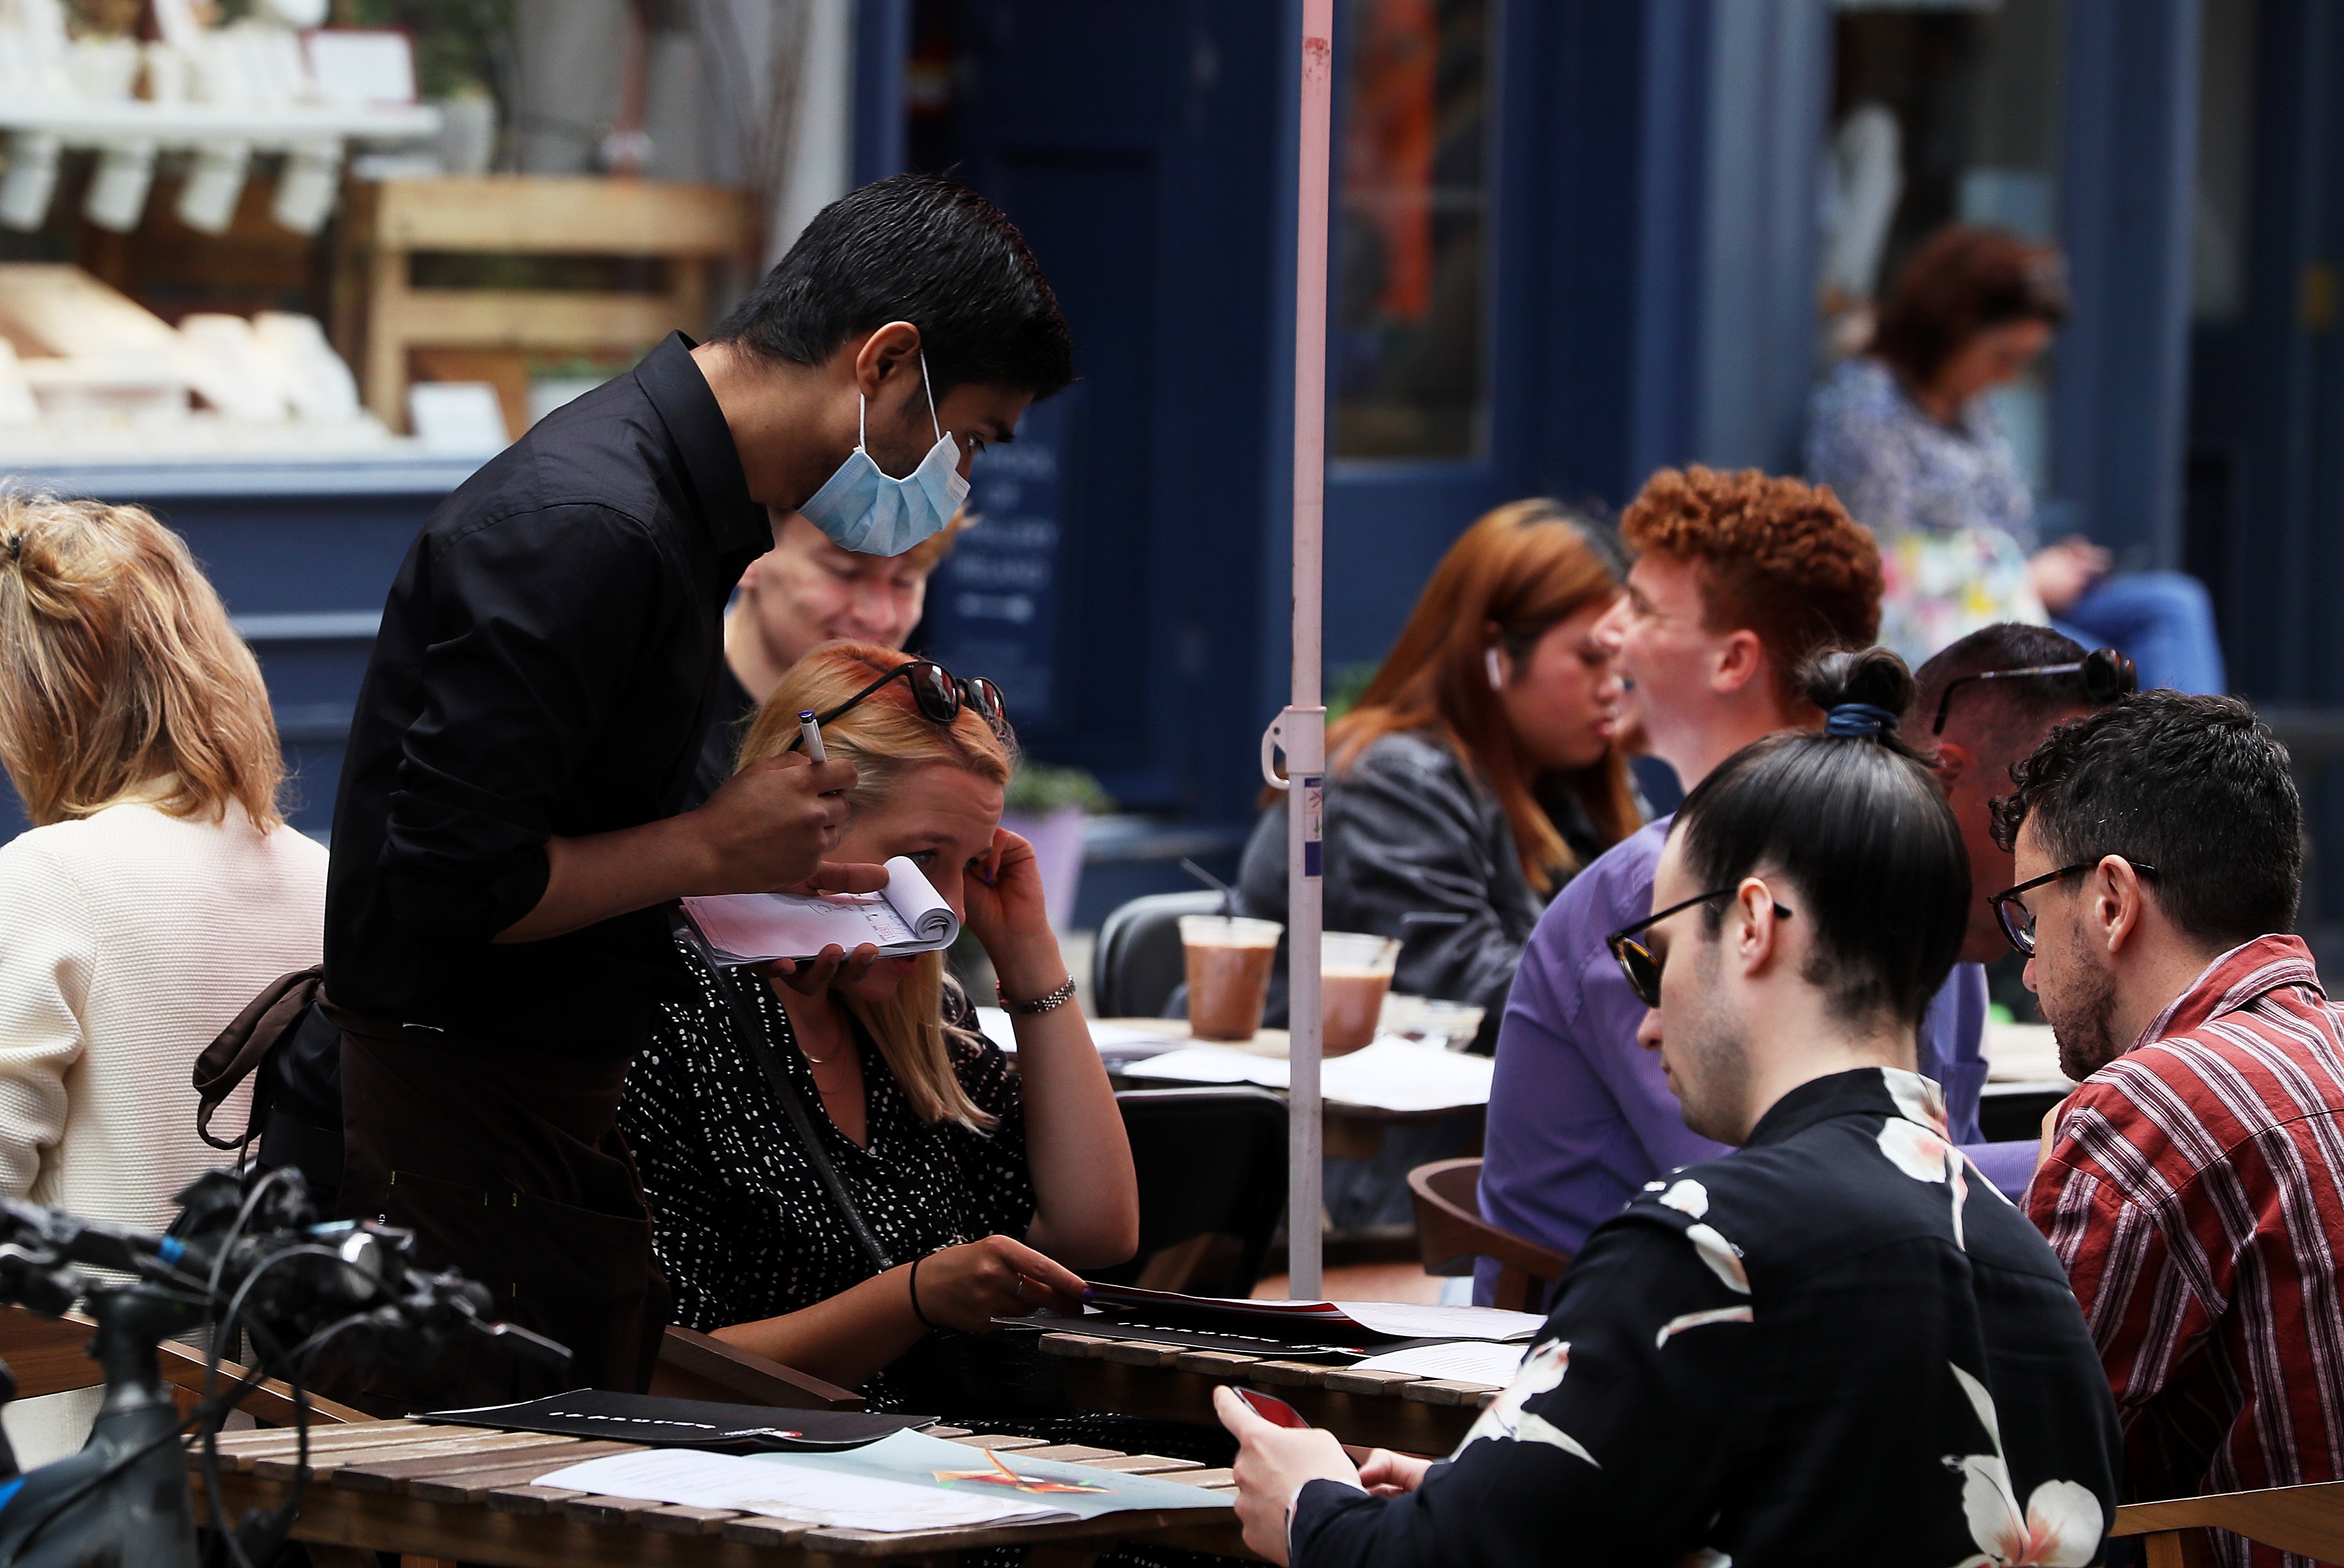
x,y
1636,960
938,693
2107,675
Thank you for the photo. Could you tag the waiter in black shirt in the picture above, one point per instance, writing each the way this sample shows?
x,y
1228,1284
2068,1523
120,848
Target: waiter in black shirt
x,y
510,826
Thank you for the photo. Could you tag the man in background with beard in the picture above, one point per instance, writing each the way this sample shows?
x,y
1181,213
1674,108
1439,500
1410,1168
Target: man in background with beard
x,y
2192,1184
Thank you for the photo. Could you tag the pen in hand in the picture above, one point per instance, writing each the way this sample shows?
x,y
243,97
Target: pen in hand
x,y
810,733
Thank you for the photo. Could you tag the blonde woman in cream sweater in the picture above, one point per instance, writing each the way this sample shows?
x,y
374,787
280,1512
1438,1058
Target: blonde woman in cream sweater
x,y
159,889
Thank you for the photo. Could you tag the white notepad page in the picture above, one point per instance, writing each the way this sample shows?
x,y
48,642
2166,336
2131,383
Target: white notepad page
x,y
908,916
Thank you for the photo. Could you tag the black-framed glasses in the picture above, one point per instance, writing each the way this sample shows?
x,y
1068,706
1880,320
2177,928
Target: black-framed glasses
x,y
1636,960
2107,676
2017,922
938,693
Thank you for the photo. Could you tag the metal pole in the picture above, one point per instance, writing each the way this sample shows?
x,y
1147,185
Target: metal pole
x,y
1302,728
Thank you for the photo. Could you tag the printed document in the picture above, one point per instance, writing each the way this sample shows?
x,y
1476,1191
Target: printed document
x,y
908,916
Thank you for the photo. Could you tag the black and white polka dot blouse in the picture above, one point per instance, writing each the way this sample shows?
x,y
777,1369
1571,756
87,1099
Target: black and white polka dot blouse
x,y
741,1225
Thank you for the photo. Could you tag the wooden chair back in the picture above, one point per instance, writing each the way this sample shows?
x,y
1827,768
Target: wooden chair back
x,y
2308,1521
51,1355
693,1365
1450,1233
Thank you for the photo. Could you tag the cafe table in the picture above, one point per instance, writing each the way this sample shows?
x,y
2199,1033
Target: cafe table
x,y
470,1494
1355,1126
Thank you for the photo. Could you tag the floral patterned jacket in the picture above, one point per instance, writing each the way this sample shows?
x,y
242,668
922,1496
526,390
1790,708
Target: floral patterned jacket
x,y
1836,1344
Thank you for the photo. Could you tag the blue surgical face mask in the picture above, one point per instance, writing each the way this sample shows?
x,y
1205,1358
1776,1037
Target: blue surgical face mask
x,y
872,513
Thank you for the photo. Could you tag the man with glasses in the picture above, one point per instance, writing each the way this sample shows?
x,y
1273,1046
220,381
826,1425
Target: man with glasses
x,y
2192,1184
1982,704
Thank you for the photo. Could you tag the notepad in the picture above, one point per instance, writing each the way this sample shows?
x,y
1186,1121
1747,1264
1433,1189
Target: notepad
x,y
908,916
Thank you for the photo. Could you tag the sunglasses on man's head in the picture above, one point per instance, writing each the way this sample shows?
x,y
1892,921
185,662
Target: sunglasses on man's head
x,y
938,693
2107,676
1636,960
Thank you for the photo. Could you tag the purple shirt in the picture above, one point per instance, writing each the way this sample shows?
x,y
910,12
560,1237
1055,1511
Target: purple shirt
x,y
1581,1116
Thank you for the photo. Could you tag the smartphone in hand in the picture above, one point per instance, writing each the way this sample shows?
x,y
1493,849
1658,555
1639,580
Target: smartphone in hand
x,y
1275,1411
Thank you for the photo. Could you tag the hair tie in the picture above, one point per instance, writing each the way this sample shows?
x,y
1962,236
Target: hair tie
x,y
15,546
1859,721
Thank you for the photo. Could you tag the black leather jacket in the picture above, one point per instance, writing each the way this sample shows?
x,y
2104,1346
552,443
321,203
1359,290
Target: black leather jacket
x,y
1416,850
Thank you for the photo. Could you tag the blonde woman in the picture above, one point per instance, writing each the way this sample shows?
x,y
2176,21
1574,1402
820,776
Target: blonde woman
x,y
159,889
958,1189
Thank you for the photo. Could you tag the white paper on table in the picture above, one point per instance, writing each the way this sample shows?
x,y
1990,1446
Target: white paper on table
x,y
908,916
1430,1321
699,1479
1117,1041
1461,1360
1396,1075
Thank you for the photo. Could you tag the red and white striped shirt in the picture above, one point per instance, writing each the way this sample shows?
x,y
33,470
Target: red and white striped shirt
x,y
2195,1190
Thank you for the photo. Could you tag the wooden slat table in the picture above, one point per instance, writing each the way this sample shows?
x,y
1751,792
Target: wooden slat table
x,y
471,1494
1173,1382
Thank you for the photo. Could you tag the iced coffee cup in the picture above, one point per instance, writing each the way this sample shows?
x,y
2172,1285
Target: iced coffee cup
x,y
1355,970
1230,960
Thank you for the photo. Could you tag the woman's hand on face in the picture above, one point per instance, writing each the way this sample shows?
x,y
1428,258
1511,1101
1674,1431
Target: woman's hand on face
x,y
967,1287
1005,909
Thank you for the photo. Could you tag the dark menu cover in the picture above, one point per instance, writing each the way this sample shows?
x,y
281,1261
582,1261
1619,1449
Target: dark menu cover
x,y
684,1423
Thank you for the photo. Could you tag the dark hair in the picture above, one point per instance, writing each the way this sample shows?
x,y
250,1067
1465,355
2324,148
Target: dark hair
x,y
1965,281
2002,708
2193,785
915,248
1777,556
1858,826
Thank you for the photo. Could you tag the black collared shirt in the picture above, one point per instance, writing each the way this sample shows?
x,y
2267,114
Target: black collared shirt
x,y
548,663
1837,1344
727,726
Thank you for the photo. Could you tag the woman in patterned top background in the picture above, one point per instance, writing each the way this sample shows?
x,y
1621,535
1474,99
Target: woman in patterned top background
x,y
1903,433
982,1185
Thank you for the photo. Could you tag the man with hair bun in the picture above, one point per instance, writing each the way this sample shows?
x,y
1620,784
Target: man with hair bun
x,y
1824,1346
1980,706
2192,1184
1738,579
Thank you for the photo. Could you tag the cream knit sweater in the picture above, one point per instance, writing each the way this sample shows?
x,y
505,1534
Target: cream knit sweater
x,y
128,940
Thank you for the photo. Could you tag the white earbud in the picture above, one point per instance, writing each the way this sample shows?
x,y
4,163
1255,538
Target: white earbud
x,y
1496,671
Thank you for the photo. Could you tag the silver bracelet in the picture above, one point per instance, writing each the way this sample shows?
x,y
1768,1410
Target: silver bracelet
x,y
1049,1003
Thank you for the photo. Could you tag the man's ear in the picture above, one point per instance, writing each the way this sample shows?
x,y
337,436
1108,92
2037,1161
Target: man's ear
x,y
1752,928
2116,902
1953,760
1741,660
886,355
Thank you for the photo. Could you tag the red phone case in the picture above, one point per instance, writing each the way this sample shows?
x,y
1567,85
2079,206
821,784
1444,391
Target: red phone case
x,y
1273,1410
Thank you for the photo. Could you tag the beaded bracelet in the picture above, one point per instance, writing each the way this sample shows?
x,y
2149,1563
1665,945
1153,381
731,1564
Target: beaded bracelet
x,y
1056,998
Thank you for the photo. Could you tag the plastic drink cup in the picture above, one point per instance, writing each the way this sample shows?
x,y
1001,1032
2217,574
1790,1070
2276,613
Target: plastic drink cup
x,y
1230,960
1355,970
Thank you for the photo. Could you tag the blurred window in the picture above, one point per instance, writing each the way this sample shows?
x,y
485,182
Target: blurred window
x,y
1963,98
1410,355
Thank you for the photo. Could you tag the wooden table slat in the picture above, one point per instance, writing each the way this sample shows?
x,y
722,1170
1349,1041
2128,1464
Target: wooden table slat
x,y
760,1531
474,1485
1211,1480
1002,1441
323,1466
1224,1364
1079,1346
1065,1453
681,1518
1446,1390
1361,1380
1289,1374
385,1475
1142,1464
1140,1352
593,1508
321,1434
942,1431
530,1499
